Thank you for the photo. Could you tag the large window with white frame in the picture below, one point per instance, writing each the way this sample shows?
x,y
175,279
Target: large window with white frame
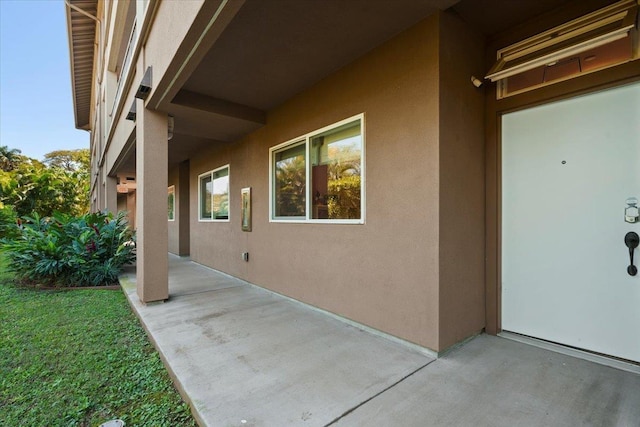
x,y
319,177
213,195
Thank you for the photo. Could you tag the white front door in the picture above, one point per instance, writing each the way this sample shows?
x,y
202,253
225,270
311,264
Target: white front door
x,y
567,170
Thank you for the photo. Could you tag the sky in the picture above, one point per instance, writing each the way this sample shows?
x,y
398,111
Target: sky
x,y
36,108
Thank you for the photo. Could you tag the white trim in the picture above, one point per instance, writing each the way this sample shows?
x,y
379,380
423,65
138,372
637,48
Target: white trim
x,y
304,139
573,352
169,188
210,173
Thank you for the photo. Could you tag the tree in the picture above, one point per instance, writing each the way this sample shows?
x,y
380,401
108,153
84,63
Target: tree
x,y
31,187
69,160
9,158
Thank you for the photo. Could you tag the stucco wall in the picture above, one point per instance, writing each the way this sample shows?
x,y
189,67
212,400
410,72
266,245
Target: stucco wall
x,y
171,24
462,233
173,227
383,273
122,202
123,135
178,229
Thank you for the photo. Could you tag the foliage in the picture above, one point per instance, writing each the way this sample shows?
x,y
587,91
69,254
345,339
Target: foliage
x,y
344,182
171,200
9,158
344,201
79,358
221,205
71,251
69,160
32,187
8,223
291,186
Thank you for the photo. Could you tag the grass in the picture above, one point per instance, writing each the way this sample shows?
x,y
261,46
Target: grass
x,y
79,358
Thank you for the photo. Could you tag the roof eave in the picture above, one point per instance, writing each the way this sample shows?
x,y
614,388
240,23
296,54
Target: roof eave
x,y
81,32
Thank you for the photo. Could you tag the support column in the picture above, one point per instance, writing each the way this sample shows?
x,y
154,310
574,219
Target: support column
x,y
151,204
184,219
111,194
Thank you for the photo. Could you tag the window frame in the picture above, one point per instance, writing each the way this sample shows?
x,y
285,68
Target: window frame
x,y
210,175
306,140
172,190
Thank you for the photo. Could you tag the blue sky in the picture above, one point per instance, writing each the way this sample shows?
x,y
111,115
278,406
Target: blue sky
x,y
36,109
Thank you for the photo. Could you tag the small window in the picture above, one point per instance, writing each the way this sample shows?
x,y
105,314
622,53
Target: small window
x,y
319,177
171,200
214,195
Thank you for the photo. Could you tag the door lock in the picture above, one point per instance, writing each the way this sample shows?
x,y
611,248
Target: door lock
x,y
632,240
631,212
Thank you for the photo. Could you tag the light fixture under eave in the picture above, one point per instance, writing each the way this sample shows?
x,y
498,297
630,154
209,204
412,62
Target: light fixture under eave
x,y
170,124
131,115
144,89
609,35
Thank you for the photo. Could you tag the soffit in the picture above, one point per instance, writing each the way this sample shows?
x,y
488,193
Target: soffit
x,y
181,148
274,50
492,17
82,33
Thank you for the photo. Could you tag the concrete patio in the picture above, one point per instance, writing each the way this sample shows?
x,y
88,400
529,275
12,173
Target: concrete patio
x,y
243,356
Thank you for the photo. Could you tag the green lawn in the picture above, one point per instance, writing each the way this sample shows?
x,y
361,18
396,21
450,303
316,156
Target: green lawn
x,y
79,358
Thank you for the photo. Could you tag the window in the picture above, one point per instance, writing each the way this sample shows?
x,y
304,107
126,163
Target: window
x,y
319,177
171,199
214,195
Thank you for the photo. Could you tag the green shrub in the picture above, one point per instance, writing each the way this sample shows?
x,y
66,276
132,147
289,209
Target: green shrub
x,y
8,226
63,250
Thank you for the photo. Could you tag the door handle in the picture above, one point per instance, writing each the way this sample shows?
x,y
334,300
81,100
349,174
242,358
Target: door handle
x,y
632,240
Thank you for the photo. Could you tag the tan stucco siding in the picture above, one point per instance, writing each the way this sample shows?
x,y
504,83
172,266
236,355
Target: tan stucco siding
x,y
166,40
173,227
383,273
461,182
124,135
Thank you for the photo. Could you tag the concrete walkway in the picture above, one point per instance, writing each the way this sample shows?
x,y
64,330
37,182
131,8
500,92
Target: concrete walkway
x,y
242,356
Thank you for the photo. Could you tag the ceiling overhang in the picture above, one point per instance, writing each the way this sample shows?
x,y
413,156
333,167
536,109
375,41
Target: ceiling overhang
x,y
263,53
270,51
81,31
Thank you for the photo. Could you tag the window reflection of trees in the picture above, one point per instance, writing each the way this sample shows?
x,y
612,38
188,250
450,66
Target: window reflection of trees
x,y
334,171
291,186
343,181
221,197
